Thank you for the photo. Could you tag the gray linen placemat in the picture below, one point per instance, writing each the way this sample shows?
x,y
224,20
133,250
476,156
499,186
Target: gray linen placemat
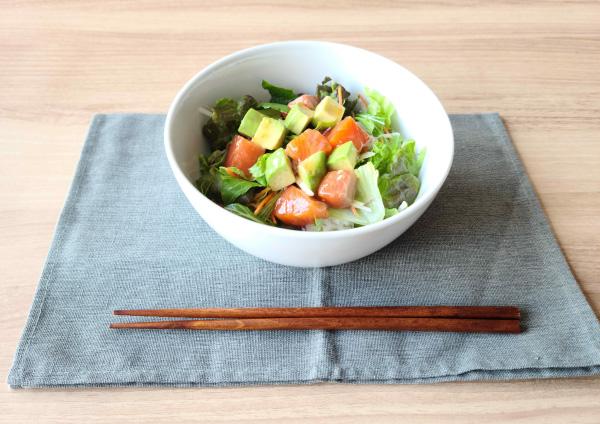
x,y
127,238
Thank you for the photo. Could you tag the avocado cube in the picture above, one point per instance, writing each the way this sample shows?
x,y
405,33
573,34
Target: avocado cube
x,y
298,118
250,122
327,113
278,170
311,170
344,156
270,133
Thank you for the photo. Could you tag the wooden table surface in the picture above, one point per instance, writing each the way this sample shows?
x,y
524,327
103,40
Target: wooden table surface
x,y
537,63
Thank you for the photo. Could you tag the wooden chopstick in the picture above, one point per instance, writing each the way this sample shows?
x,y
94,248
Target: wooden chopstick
x,y
474,312
460,325
488,319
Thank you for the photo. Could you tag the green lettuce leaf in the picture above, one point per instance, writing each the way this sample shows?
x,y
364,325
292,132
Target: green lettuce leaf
x,y
394,155
208,181
397,189
367,192
390,212
245,212
377,119
329,87
225,119
371,123
267,210
279,94
421,157
398,164
274,106
245,103
329,224
258,169
232,188
263,217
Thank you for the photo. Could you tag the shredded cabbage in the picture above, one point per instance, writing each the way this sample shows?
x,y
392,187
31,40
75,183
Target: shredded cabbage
x,y
377,119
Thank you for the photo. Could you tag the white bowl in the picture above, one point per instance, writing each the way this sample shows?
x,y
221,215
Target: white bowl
x,y
301,65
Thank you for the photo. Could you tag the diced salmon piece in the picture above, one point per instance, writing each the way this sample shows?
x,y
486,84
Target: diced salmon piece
x,y
296,208
309,142
338,188
242,153
307,100
348,130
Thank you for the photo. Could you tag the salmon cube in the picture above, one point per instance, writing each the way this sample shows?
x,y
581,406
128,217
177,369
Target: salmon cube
x,y
304,145
296,208
242,153
307,100
338,188
348,130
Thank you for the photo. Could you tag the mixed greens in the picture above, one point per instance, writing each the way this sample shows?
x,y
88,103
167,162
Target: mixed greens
x,y
319,162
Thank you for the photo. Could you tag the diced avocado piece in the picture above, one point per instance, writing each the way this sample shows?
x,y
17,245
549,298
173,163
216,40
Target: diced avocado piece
x,y
250,122
343,156
270,133
327,113
252,119
311,171
298,118
278,170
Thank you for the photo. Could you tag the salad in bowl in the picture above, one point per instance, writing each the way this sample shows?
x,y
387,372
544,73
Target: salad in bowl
x,y
321,161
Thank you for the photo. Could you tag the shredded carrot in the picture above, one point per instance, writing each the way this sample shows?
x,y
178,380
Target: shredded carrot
x,y
263,202
261,193
273,219
363,100
339,93
354,211
231,173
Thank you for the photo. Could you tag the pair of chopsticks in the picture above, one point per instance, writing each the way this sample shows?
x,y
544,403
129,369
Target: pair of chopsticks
x,y
461,319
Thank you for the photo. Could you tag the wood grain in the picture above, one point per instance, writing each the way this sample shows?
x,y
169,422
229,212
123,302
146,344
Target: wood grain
x,y
537,63
333,323
483,312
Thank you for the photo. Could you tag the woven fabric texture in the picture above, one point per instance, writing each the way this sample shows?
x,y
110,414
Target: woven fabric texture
x,y
127,238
